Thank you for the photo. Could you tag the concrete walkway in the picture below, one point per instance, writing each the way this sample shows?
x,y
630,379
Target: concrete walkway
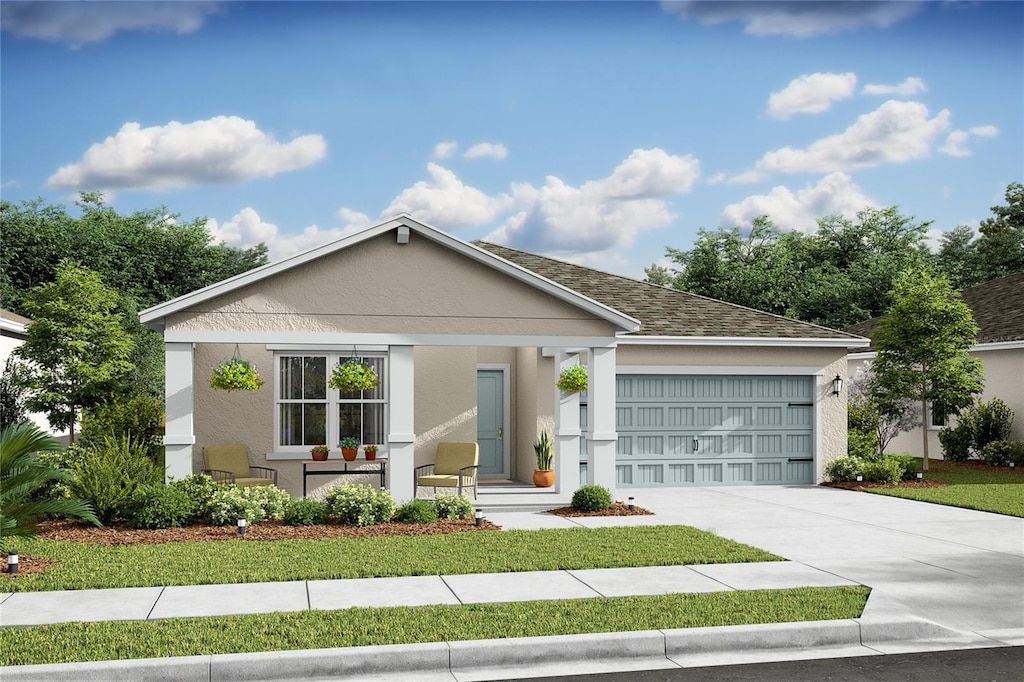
x,y
941,577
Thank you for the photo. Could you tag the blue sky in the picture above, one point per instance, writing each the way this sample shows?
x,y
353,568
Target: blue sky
x,y
595,132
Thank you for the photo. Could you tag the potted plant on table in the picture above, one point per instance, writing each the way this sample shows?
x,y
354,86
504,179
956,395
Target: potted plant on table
x,y
543,475
349,448
319,453
370,451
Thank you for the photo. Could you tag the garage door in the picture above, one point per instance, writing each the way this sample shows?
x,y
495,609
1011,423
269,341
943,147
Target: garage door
x,y
678,430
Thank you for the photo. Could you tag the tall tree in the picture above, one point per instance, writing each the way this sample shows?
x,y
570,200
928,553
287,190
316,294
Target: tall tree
x,y
76,347
923,343
1001,244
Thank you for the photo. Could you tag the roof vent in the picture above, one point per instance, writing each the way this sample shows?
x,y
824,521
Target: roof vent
x,y
403,234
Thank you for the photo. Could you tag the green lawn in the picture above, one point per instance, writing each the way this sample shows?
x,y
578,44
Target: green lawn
x,y
88,566
997,490
357,627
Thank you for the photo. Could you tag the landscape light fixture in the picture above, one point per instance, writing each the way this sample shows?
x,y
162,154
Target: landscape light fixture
x,y
632,506
920,477
479,517
241,526
837,385
12,562
860,478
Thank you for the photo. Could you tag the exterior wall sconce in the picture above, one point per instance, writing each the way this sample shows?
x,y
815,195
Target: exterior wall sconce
x,y
837,385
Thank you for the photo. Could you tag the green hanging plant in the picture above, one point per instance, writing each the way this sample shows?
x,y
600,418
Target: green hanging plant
x,y
354,375
236,374
573,379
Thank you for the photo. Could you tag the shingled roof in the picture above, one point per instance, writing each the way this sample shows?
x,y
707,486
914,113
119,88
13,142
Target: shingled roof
x,y
997,306
663,311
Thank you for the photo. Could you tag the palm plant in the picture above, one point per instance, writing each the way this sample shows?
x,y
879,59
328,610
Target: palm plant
x,y
21,475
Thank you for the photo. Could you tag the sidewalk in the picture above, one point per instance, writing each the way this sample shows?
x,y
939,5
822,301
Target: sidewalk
x,y
941,578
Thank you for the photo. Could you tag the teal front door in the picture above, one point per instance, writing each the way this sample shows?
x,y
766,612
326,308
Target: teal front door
x,y
490,422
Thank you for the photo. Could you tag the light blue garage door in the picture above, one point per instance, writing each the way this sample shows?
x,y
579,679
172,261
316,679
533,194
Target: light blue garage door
x,y
679,430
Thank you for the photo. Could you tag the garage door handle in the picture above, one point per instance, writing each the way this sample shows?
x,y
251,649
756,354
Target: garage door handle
x,y
800,404
800,459
695,445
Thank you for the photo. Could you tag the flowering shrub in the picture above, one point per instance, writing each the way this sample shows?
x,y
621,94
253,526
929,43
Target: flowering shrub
x,y
359,505
200,489
236,375
259,503
573,379
353,375
453,507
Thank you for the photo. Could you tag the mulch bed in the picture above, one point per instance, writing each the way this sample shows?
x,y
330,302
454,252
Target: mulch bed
x,y
981,466
617,509
27,565
853,485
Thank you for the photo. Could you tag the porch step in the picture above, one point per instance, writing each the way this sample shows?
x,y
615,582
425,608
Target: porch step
x,y
502,498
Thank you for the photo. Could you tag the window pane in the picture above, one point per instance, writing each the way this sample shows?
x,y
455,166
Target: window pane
x,y
291,378
350,421
314,378
373,423
291,424
314,427
378,393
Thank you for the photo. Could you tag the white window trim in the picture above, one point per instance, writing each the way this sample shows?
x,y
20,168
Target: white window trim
x,y
333,357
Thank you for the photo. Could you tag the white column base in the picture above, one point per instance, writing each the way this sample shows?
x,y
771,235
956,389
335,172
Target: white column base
x,y
401,483
177,462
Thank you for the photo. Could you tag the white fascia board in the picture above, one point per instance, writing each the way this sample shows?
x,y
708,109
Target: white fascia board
x,y
12,326
345,341
867,355
978,348
741,341
153,317
731,370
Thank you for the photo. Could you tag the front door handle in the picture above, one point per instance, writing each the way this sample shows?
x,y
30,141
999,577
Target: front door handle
x,y
501,432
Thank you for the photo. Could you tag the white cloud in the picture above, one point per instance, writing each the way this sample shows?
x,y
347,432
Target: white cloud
x,y
811,94
835,194
909,86
600,214
956,141
717,179
354,220
896,132
484,149
445,150
247,229
79,23
800,18
220,150
447,202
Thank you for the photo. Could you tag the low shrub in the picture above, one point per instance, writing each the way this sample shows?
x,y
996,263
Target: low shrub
x,y
453,507
843,469
884,470
140,417
67,459
907,465
305,512
110,471
992,422
861,444
359,505
958,440
591,498
1000,453
259,503
200,489
417,511
160,506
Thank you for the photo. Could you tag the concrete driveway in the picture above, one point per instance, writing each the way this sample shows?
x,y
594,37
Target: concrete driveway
x,y
960,568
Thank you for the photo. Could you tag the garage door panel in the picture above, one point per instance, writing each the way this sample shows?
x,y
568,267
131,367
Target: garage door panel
x,y
728,430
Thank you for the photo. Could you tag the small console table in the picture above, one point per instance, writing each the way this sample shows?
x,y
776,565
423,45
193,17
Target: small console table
x,y
307,471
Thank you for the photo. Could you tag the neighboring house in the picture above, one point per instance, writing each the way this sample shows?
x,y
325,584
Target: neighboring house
x,y
998,309
13,332
684,390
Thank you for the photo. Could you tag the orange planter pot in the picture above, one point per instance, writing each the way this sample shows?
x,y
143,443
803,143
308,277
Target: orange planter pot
x,y
543,478
319,456
349,454
370,456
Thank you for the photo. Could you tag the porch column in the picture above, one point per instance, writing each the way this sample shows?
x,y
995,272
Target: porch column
x,y
178,435
567,429
601,435
401,427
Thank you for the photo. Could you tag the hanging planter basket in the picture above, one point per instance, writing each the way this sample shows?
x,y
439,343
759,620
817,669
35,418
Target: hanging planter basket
x,y
236,374
354,375
573,379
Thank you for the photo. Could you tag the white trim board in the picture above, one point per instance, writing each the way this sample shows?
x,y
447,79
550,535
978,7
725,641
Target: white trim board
x,y
753,370
345,341
154,317
778,341
978,348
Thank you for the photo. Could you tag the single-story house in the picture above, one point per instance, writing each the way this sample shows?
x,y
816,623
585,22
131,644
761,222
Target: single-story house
x,y
469,339
13,332
998,309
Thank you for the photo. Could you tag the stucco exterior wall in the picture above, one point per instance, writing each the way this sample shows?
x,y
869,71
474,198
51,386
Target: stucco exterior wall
x,y
445,393
378,286
1004,379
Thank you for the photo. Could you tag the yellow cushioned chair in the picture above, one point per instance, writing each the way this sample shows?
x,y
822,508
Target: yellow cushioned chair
x,y
229,464
455,466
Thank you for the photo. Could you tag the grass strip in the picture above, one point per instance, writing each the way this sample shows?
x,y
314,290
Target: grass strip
x,y
71,642
997,491
241,561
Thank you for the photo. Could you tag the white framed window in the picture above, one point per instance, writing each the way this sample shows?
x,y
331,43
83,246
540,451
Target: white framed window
x,y
937,419
308,412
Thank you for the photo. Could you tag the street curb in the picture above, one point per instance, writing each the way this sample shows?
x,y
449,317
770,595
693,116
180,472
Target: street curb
x,y
482,659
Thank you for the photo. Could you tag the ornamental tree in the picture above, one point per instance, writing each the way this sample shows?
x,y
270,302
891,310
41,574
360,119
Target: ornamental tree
x,y
882,427
923,350
76,348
